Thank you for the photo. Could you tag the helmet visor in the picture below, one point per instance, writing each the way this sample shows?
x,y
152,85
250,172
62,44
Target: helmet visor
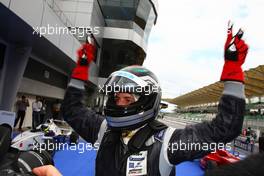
x,y
127,83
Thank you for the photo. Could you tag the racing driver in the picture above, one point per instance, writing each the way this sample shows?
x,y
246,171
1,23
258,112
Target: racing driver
x,y
132,141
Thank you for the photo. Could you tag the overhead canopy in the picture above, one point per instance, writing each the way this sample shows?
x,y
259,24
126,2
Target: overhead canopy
x,y
254,87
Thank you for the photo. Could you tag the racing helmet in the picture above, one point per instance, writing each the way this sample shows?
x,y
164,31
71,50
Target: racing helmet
x,y
144,86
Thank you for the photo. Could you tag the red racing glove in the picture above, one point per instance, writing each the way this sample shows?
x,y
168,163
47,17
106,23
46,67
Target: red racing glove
x,y
85,54
235,54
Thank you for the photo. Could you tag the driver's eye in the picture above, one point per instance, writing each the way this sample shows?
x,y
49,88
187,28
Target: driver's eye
x,y
124,100
117,99
128,100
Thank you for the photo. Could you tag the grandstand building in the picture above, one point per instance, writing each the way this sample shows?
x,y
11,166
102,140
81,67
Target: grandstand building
x,y
203,102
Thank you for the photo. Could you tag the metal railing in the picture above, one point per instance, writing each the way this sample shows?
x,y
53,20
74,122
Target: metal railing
x,y
256,123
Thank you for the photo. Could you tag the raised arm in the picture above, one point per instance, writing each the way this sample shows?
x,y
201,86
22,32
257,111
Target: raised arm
x,y
228,122
84,121
225,127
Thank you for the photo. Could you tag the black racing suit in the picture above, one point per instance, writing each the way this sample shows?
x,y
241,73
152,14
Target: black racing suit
x,y
163,148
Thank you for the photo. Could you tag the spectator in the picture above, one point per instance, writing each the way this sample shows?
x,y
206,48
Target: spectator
x,y
248,133
21,106
36,107
261,143
56,109
244,132
43,112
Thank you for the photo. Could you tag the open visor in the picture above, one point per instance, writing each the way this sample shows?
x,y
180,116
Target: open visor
x,y
146,93
131,116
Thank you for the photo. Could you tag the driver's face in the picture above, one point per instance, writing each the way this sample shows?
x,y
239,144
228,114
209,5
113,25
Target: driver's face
x,y
124,99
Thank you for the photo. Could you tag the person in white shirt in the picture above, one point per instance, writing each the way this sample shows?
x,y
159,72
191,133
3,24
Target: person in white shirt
x,y
36,108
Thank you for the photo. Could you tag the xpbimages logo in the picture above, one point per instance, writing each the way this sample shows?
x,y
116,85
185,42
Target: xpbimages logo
x,y
58,30
196,146
81,147
147,90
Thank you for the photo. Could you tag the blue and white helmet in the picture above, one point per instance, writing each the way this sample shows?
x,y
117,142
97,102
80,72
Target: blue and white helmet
x,y
144,85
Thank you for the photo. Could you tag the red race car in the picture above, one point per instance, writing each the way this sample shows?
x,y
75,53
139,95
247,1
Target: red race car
x,y
220,157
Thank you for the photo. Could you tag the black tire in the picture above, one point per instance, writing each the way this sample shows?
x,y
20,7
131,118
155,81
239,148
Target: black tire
x,y
211,164
74,137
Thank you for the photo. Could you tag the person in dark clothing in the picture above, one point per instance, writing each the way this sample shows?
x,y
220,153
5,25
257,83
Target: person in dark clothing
x,y
261,143
43,111
130,138
56,109
21,106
